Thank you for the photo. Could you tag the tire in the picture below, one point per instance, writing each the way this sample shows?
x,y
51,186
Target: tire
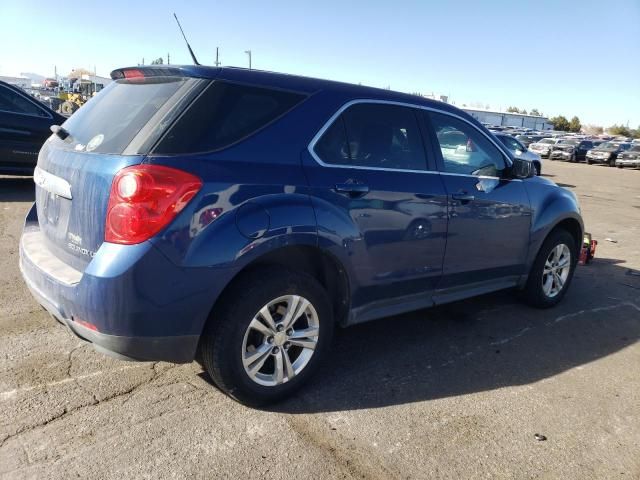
x,y
228,337
573,158
68,108
589,162
534,292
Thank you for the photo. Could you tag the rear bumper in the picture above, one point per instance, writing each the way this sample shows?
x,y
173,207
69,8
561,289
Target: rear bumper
x,y
130,301
175,349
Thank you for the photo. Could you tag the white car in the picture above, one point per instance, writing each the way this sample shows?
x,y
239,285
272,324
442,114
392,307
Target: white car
x,y
520,151
544,146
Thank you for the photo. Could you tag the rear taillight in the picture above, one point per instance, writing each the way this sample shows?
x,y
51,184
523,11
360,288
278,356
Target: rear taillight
x,y
144,199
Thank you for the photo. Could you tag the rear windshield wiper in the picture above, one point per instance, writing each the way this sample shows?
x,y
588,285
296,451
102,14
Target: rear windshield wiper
x,y
60,132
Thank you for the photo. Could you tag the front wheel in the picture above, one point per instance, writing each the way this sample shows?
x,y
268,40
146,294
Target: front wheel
x,y
552,270
268,336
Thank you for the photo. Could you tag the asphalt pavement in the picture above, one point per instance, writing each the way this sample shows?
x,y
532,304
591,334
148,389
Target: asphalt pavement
x,y
455,392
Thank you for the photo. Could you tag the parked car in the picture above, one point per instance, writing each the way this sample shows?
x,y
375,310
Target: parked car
x,y
237,216
570,149
24,127
543,147
528,139
606,153
520,151
630,158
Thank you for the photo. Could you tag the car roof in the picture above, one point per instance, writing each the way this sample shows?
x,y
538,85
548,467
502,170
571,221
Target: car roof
x,y
20,91
307,85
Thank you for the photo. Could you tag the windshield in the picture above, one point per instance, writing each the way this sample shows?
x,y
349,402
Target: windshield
x,y
608,146
568,142
110,121
547,140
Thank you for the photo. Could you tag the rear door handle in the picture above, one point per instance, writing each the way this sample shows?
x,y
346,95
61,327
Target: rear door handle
x,y
463,197
352,189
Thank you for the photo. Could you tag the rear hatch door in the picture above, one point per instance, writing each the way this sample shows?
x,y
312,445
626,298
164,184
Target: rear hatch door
x,y
76,166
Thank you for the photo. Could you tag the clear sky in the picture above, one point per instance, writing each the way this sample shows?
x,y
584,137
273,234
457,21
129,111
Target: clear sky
x,y
563,57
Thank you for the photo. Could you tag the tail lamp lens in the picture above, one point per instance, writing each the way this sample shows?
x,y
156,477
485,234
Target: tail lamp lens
x,y
144,199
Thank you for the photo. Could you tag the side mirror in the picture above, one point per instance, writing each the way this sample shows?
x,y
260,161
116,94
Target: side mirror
x,y
522,169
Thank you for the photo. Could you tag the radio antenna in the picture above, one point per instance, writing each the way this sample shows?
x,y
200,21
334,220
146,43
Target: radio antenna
x,y
195,61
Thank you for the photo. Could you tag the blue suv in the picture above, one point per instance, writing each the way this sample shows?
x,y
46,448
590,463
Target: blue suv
x,y
236,216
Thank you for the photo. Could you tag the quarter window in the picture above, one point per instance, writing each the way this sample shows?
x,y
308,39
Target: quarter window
x,y
11,101
225,114
375,136
464,149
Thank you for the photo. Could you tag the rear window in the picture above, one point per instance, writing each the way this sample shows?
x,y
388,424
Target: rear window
x,y
109,122
223,115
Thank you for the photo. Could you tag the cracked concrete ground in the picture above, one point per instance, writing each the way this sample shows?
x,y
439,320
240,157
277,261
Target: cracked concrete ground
x,y
455,392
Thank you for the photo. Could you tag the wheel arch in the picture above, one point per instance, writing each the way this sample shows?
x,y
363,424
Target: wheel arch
x,y
310,259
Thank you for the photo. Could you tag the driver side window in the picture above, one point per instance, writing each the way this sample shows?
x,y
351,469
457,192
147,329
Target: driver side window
x,y
464,149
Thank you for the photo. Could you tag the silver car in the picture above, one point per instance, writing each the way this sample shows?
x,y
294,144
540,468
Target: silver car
x,y
544,146
520,151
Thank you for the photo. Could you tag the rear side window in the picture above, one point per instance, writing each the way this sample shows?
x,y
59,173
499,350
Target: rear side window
x,y
224,114
375,136
13,102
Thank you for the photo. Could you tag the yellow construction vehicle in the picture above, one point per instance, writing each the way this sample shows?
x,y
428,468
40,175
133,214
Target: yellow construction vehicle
x,y
71,102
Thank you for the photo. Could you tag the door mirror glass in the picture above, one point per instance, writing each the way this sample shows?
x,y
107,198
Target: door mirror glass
x,y
522,168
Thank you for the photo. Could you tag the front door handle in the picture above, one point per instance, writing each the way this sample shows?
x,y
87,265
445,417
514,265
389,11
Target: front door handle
x,y
463,197
352,189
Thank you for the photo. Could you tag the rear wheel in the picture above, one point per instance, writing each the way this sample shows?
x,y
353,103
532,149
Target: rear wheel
x,y
268,336
552,270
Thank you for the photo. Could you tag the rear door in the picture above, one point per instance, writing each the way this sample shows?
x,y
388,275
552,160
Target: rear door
x,y
380,202
24,126
489,214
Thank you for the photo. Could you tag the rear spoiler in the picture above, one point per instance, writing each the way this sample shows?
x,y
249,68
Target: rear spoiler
x,y
145,72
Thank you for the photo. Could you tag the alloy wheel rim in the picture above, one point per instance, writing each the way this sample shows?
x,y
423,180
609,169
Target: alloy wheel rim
x,y
556,270
280,340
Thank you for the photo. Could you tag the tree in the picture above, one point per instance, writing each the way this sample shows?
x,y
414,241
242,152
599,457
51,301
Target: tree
x,y
513,110
593,129
534,111
619,130
523,111
574,125
560,123
157,61
78,72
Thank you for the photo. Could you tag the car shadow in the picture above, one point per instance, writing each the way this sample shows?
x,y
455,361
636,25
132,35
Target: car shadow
x,y
17,189
565,185
480,344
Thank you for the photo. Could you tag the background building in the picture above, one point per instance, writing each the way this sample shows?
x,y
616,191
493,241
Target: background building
x,y
510,119
22,82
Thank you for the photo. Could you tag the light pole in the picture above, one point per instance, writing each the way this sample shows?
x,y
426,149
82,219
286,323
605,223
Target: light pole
x,y
248,52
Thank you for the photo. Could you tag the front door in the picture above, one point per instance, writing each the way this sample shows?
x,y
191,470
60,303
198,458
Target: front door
x,y
379,205
489,214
